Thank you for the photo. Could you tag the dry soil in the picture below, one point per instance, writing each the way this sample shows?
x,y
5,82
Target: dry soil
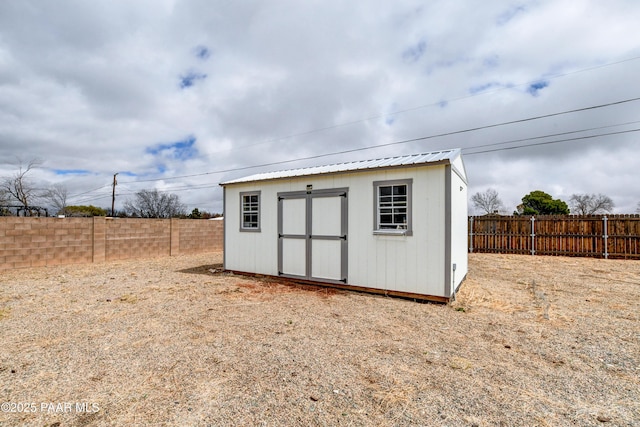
x,y
530,341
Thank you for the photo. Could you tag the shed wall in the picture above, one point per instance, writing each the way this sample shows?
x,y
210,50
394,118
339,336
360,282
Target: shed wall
x,y
402,263
413,263
459,229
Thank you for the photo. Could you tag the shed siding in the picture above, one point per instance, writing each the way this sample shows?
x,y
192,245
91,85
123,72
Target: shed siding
x,y
250,251
413,264
459,224
402,263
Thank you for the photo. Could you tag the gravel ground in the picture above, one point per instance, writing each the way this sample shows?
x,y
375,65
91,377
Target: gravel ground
x,y
530,341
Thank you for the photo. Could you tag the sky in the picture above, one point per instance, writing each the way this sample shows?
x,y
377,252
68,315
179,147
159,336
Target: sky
x,y
179,96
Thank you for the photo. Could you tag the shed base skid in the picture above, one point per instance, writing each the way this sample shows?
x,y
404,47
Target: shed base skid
x,y
407,295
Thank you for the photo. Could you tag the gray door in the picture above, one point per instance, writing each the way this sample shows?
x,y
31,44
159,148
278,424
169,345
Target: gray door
x,y
312,235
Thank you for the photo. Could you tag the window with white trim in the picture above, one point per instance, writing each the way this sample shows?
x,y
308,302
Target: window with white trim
x,y
392,201
250,211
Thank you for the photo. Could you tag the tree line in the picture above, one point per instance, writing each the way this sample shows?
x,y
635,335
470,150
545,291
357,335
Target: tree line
x,y
19,196
540,203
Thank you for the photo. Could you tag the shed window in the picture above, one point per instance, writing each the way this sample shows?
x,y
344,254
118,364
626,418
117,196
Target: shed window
x,y
250,211
392,207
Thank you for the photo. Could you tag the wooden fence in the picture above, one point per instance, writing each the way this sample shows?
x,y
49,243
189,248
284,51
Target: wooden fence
x,y
600,236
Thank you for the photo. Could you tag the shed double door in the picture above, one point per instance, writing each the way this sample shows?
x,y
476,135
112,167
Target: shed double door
x,y
312,235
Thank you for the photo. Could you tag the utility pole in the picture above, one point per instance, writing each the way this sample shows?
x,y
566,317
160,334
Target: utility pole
x,y
113,195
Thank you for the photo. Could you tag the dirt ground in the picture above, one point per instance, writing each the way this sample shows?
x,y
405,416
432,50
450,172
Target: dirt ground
x,y
530,341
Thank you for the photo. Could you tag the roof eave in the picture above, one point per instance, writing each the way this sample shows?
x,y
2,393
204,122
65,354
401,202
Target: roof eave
x,y
445,161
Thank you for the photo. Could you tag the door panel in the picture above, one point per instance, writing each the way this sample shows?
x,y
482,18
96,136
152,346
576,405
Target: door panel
x,y
326,259
312,234
294,258
326,216
294,217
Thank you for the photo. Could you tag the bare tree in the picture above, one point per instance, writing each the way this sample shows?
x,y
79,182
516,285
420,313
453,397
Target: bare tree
x,y
488,202
154,204
589,204
56,195
638,208
19,188
4,201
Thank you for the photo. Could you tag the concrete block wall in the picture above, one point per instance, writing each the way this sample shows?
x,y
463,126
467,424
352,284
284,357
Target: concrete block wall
x,y
137,238
194,235
35,242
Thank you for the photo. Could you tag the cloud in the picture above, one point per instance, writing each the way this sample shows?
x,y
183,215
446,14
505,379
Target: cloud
x,y
170,89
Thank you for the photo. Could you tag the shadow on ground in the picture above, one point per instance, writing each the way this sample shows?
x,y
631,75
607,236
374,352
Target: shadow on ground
x,y
207,269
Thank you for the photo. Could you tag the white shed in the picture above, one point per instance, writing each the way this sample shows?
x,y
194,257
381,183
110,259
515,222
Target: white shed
x,y
396,225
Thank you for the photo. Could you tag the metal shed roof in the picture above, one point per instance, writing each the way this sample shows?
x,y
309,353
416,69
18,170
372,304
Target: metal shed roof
x,y
445,156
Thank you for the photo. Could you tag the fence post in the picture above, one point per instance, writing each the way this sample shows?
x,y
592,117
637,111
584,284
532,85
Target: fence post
x,y
605,237
471,234
533,235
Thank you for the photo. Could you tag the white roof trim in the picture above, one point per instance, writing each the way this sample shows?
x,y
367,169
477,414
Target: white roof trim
x,y
445,156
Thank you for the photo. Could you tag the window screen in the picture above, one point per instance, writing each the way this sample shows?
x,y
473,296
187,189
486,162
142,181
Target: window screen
x,y
250,211
393,206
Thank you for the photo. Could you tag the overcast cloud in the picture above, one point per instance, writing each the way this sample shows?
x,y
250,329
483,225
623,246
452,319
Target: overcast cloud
x,y
181,95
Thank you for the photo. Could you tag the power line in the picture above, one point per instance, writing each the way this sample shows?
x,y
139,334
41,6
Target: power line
x,y
551,142
388,115
404,142
89,191
465,150
90,198
553,134
458,132
131,192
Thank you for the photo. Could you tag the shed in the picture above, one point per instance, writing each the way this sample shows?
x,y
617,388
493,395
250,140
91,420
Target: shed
x,y
394,225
